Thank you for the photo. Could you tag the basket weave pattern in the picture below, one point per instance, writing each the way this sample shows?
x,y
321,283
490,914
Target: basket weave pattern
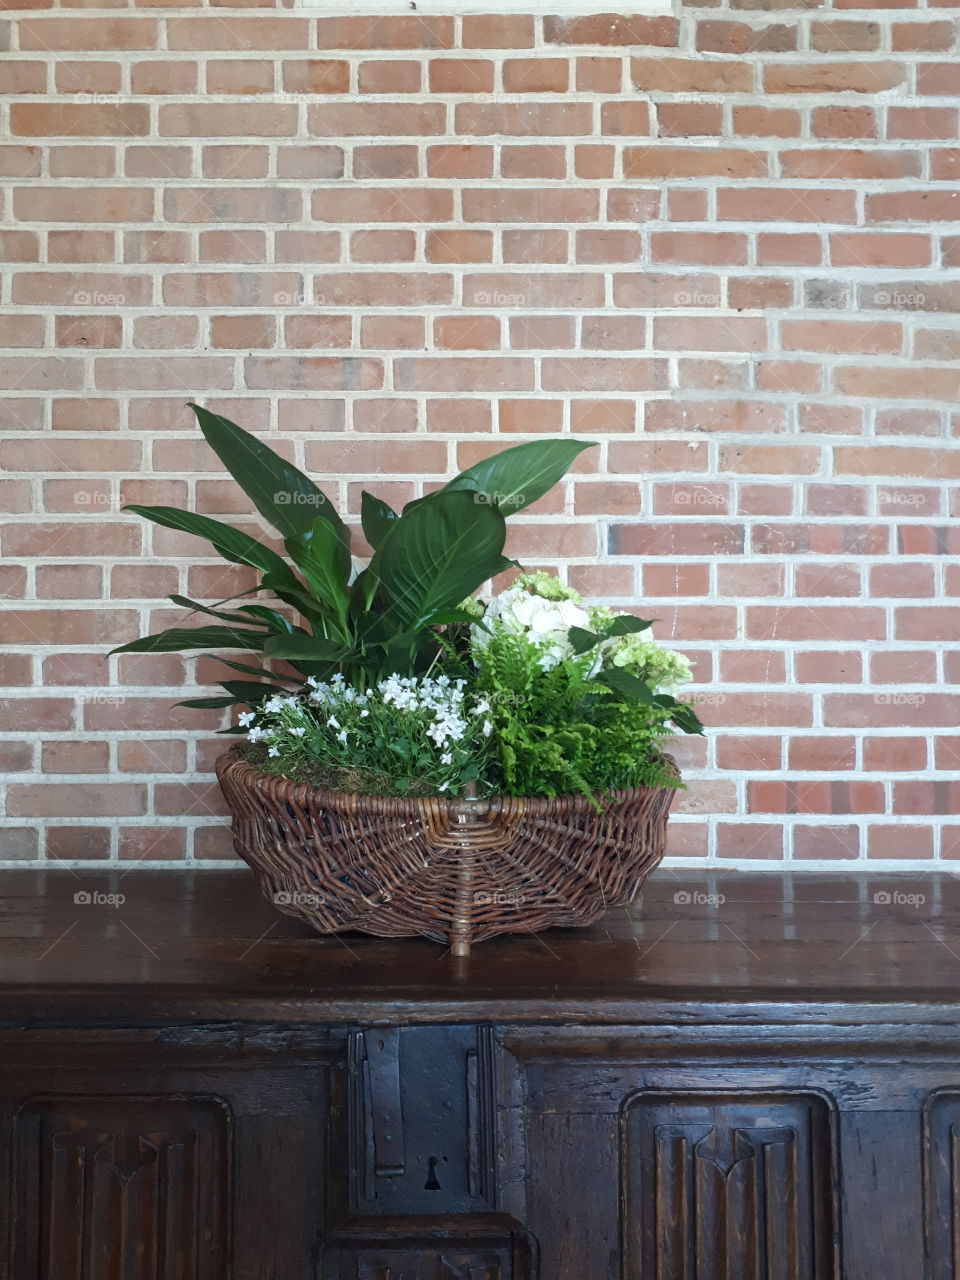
x,y
457,871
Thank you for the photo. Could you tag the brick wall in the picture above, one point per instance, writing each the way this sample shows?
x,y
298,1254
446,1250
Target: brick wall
x,y
725,246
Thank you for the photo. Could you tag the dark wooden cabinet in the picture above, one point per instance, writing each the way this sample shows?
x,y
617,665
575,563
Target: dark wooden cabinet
x,y
211,1093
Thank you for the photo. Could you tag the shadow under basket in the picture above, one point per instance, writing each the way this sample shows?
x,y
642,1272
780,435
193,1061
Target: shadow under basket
x,y
457,871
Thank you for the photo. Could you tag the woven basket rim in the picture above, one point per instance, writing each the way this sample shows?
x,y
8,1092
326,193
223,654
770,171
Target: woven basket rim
x,y
285,788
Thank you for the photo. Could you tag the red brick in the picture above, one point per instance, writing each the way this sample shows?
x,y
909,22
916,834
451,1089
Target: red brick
x,y
693,162
786,204
900,841
391,76
833,77
75,800
233,119
240,33
409,31
690,75
895,755
461,75
749,840
822,841
95,34
611,29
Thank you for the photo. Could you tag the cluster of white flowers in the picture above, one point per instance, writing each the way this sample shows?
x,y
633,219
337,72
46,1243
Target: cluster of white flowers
x,y
545,622
443,701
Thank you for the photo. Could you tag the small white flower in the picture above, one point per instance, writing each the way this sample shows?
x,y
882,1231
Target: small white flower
x,y
364,713
298,733
482,706
255,734
273,752
333,723
245,718
487,728
446,758
273,704
342,735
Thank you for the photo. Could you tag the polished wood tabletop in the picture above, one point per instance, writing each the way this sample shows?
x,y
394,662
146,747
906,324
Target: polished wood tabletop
x,y
144,946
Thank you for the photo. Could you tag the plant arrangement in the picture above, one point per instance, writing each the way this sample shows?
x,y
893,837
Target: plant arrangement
x,y
395,678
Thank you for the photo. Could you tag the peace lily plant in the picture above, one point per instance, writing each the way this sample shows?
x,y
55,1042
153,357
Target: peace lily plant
x,y
398,679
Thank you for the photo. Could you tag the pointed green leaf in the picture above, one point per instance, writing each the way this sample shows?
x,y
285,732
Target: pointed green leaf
x,y
282,494
582,640
176,639
514,478
247,670
622,682
376,518
250,693
437,553
186,603
237,547
198,704
304,648
316,554
627,625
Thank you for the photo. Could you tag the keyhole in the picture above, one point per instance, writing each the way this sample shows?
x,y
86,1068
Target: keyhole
x,y
431,1183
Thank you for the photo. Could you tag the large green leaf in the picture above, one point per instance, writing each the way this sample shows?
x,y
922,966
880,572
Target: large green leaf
x,y
376,518
304,648
437,553
316,554
186,603
175,639
283,495
237,547
514,478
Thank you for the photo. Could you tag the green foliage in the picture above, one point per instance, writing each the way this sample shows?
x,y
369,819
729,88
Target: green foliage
x,y
560,730
391,618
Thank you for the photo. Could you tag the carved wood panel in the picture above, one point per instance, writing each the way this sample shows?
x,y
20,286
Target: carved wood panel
x,y
941,1132
728,1186
423,1260
122,1188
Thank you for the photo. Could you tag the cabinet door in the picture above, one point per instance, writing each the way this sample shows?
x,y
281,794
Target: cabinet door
x,y
161,1171
636,1169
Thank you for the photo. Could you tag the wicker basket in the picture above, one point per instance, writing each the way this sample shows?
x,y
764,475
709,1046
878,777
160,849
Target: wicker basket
x,y
458,871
